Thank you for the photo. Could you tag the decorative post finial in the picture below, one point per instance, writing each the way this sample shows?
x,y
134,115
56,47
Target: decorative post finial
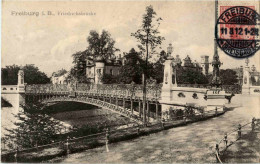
x,y
169,49
247,61
20,77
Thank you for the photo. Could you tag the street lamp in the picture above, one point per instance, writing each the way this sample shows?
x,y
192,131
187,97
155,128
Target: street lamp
x,y
175,62
253,68
76,71
170,49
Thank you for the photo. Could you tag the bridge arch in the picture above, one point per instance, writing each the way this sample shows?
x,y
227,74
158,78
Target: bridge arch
x,y
95,102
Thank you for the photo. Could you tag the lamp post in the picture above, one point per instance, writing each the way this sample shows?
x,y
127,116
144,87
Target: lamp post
x,y
76,71
144,94
175,72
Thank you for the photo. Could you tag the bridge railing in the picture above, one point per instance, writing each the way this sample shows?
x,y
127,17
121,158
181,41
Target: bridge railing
x,y
236,89
43,88
119,90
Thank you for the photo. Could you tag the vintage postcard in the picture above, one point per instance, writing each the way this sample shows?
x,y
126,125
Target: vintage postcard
x,y
130,81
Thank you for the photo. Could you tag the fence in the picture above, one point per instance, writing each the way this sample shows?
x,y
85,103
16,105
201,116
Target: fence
x,y
231,137
71,145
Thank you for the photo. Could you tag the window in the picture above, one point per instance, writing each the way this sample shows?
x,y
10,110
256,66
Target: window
x,y
4,88
11,89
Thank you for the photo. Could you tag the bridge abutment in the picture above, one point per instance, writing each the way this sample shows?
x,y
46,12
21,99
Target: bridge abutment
x,y
15,94
173,97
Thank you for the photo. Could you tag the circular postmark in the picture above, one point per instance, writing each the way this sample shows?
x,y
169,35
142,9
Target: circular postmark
x,y
237,31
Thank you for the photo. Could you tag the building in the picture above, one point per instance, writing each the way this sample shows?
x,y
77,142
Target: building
x,y
63,79
239,73
96,68
205,64
188,64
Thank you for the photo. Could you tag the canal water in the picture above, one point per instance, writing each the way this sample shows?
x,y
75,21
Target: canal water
x,y
79,118
192,143
69,114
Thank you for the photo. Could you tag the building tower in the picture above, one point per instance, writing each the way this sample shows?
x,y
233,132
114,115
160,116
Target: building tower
x,y
99,70
205,64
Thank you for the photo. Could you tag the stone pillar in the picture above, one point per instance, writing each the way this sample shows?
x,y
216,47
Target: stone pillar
x,y
21,87
166,93
246,79
99,70
167,80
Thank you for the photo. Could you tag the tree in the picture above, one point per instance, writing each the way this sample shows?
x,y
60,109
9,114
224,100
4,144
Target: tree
x,y
109,79
158,71
162,57
158,67
190,76
33,127
101,44
228,77
76,75
149,38
148,35
78,72
9,75
32,75
59,72
133,68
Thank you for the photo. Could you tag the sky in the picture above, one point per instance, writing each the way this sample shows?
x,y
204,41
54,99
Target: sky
x,y
48,41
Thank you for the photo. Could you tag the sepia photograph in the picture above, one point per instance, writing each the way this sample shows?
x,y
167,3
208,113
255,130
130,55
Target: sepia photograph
x,y
130,81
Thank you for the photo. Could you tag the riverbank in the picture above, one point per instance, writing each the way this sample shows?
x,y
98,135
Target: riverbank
x,y
46,153
194,143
